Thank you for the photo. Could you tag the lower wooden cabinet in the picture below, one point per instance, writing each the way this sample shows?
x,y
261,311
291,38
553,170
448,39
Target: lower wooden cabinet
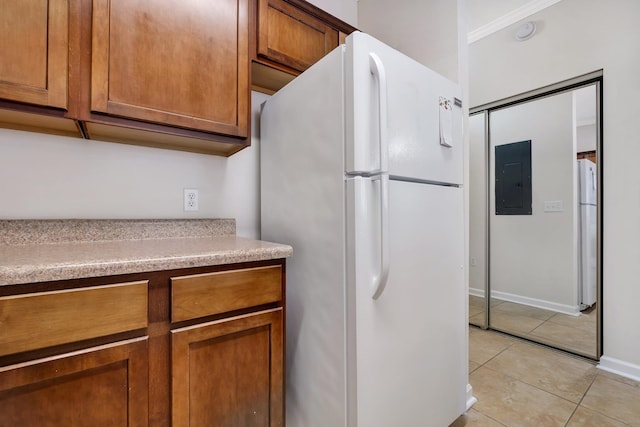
x,y
98,387
229,372
191,347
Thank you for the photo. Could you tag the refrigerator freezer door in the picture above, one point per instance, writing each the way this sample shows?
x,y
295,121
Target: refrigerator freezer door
x,y
407,349
413,94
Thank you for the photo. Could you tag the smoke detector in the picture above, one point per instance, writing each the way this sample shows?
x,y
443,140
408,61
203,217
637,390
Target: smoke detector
x,y
526,31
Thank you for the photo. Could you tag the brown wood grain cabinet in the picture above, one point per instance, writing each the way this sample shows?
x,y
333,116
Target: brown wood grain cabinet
x,y
229,372
101,386
34,44
202,346
167,67
177,64
66,362
163,73
34,64
291,35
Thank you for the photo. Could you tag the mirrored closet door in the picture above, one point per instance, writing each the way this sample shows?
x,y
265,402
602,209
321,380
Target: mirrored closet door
x,y
534,192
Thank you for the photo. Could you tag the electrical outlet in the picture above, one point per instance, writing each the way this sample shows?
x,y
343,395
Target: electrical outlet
x,y
191,202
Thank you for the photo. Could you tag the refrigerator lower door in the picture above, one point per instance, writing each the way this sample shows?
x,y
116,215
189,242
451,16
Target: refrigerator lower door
x,y
588,267
406,350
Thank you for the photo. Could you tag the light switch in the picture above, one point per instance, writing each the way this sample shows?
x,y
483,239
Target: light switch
x,y
553,206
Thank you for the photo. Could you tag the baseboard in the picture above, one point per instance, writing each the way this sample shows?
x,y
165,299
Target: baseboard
x,y
476,292
620,367
571,310
471,400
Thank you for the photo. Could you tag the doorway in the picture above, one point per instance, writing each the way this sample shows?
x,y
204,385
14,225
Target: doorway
x,y
536,218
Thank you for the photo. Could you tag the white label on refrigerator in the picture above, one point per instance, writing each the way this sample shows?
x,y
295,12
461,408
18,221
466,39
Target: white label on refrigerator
x,y
446,121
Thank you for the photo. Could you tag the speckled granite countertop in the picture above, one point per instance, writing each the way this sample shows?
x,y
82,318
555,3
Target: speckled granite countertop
x,y
45,250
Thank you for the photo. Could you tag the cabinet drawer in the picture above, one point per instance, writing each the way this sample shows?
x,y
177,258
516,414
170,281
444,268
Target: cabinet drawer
x,y
214,293
44,319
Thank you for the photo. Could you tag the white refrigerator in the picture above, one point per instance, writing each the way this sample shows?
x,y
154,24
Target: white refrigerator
x,y
587,217
361,172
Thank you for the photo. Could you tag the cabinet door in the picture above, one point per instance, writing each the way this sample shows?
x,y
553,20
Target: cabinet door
x,y
34,51
291,37
229,372
103,386
183,64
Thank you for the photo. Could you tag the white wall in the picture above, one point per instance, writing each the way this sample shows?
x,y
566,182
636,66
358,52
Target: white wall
x,y
477,204
44,176
576,37
346,10
425,30
585,106
535,256
586,138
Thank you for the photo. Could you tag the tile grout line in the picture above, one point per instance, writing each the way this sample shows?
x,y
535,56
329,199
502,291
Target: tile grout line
x,y
516,340
543,391
555,352
581,399
564,354
597,411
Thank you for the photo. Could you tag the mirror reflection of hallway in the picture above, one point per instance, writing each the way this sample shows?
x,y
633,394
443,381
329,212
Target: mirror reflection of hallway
x,y
540,262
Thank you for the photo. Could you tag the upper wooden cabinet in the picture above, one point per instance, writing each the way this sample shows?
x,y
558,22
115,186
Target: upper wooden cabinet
x,y
164,73
34,44
291,35
181,64
184,66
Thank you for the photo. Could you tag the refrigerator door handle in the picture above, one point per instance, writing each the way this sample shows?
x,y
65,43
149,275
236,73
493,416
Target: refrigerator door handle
x,y
380,281
377,69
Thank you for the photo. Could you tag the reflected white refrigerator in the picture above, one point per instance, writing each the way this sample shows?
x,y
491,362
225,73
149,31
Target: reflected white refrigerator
x,y
361,172
587,217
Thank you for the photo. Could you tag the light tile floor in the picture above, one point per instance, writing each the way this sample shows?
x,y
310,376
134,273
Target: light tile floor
x,y
575,333
518,383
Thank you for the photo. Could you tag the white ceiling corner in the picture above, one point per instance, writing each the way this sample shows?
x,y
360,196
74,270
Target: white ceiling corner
x,y
510,18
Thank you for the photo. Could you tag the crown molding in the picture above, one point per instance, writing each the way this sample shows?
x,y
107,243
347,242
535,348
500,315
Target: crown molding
x,y
510,18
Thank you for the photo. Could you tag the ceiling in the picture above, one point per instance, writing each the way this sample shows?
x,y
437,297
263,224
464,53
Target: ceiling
x,y
482,12
485,17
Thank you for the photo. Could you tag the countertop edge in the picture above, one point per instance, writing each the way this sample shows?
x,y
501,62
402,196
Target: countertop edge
x,y
66,269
